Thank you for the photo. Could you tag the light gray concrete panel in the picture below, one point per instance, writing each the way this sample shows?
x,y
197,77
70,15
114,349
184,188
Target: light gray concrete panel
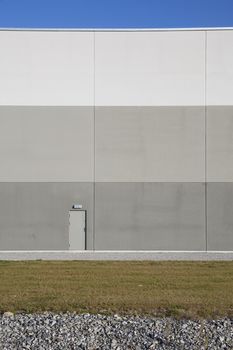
x,y
35,216
220,216
150,68
220,143
150,144
150,216
46,144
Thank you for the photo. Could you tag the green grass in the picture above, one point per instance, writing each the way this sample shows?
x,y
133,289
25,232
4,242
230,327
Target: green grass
x,y
180,289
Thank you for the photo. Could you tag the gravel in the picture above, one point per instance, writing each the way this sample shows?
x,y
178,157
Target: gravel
x,y
72,331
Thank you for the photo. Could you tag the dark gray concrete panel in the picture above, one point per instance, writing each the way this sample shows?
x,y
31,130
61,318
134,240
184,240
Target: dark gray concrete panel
x,y
150,216
35,216
220,216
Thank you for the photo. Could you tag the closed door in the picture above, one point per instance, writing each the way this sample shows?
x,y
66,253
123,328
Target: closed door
x,y
77,229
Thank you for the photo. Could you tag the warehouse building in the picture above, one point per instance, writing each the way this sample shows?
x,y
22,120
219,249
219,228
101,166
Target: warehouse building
x,y
116,139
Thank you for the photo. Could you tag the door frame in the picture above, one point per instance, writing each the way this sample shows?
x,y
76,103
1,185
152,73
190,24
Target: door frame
x,y
85,231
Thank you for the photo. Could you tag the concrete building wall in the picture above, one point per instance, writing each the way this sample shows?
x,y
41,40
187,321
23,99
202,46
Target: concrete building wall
x,y
136,126
150,140
46,136
219,99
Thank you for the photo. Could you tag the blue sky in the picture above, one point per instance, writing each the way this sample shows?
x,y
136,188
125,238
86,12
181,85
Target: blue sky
x,y
115,13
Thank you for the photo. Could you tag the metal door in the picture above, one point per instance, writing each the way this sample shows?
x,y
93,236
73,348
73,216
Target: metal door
x,y
77,229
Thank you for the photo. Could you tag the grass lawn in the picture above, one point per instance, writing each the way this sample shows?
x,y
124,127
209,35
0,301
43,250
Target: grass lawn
x,y
180,289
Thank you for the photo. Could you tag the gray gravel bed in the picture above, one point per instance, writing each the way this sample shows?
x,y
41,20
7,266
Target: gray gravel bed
x,y
72,331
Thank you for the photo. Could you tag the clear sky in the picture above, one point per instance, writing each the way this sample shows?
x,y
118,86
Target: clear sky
x,y
115,13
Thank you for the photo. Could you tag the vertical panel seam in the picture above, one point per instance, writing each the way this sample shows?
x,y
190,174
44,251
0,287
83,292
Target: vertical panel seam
x,y
94,160
205,100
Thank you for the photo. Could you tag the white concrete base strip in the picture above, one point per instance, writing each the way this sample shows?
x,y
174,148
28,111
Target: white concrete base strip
x,y
117,255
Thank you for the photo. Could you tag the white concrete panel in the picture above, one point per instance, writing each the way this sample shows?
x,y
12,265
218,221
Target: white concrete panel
x,y
149,144
220,144
149,68
46,68
220,67
46,144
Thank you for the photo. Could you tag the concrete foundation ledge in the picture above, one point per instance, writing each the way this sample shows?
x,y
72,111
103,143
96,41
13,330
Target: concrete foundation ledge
x,y
117,255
